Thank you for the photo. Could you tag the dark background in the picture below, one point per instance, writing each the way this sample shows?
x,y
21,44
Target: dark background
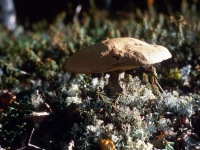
x,y
33,10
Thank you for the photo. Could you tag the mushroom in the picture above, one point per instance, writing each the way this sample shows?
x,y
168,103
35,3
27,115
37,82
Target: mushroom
x,y
115,56
36,117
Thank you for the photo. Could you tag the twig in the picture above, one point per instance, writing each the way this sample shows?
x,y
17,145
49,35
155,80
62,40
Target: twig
x,y
159,86
29,141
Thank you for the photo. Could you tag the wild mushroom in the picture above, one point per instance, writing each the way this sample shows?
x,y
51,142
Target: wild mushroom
x,y
36,117
115,56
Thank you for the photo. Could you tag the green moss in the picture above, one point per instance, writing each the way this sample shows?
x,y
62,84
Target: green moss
x,y
31,66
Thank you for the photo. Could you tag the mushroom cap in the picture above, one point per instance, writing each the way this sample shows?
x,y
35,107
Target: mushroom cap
x,y
36,117
116,54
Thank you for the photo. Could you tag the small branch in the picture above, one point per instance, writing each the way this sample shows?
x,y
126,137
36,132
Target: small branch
x,y
159,86
29,141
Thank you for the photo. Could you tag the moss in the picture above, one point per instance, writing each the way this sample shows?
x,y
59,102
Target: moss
x,y
31,67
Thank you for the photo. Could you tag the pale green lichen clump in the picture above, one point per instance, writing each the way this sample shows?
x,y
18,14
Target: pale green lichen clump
x,y
132,119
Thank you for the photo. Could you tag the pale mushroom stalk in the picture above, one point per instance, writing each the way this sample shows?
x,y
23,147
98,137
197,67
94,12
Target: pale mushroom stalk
x,y
115,82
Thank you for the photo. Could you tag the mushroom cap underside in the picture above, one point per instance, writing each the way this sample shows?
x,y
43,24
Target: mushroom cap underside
x,y
36,117
116,54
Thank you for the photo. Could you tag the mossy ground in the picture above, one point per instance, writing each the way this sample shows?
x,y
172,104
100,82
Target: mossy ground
x,y
31,67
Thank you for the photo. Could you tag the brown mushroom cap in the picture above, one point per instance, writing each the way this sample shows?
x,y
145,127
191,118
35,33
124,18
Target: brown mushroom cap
x,y
116,54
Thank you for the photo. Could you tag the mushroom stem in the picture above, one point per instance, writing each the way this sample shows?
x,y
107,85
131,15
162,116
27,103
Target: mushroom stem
x,y
115,83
